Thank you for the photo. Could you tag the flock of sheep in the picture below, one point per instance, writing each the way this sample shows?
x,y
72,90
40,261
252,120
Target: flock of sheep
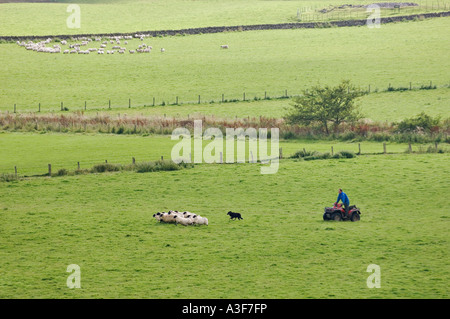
x,y
183,218
80,47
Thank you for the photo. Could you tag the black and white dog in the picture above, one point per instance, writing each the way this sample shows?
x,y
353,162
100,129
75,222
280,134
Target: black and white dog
x,y
234,215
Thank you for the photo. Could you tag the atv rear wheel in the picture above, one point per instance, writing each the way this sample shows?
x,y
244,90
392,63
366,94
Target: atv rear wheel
x,y
355,217
336,216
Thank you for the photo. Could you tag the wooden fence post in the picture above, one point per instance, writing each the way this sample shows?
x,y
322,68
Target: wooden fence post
x,y
222,97
50,170
85,104
106,161
199,99
109,104
129,103
162,158
332,151
384,147
281,153
78,165
153,101
134,160
15,171
409,147
14,108
39,107
359,147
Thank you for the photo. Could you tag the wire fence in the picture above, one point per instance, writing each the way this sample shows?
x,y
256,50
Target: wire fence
x,y
356,148
359,12
177,100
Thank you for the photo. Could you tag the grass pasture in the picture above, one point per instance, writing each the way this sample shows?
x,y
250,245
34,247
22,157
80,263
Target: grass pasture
x,y
141,15
282,248
257,62
64,150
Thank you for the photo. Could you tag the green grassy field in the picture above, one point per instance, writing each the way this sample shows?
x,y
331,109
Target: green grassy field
x,y
66,150
195,65
282,248
380,106
139,15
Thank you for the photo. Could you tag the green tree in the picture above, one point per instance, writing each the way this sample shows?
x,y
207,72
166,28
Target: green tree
x,y
326,105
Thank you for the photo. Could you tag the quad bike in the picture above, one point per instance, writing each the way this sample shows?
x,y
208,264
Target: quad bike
x,y
337,212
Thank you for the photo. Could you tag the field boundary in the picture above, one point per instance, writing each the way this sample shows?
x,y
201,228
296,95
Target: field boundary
x,y
238,28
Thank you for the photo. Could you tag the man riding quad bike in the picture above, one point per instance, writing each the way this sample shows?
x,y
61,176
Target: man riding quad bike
x,y
338,213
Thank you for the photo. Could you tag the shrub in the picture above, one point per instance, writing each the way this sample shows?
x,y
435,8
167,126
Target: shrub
x,y
304,153
317,156
379,137
161,165
288,135
344,154
392,89
421,122
106,167
62,172
428,87
8,177
120,130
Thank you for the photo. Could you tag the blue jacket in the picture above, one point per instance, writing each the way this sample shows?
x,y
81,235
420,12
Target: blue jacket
x,y
342,196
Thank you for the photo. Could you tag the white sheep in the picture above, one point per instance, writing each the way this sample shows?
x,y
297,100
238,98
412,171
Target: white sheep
x,y
201,220
167,218
163,50
181,220
157,216
224,46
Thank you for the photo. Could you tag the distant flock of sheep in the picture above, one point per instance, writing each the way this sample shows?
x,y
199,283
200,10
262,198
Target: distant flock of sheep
x,y
183,218
81,42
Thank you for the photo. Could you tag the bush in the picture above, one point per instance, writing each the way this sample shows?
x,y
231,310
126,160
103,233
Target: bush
x,y
62,172
304,153
288,135
421,122
317,156
106,167
8,177
161,165
344,154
